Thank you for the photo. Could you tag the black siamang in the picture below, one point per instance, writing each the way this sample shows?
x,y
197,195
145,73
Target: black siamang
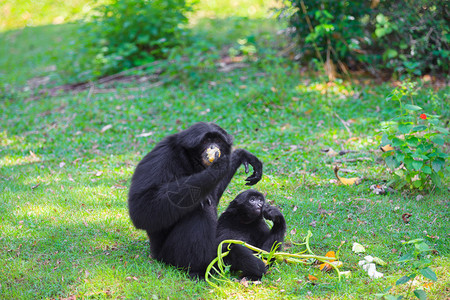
x,y
244,220
175,191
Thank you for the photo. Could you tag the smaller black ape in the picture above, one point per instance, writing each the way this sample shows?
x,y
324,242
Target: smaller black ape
x,y
244,220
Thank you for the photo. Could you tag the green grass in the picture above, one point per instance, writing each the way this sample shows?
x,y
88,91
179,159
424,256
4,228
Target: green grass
x,y
65,229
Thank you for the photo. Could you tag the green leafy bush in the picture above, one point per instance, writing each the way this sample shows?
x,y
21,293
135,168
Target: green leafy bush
x,y
127,33
418,260
406,36
416,140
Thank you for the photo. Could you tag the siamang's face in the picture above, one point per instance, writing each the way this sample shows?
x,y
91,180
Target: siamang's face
x,y
211,148
251,207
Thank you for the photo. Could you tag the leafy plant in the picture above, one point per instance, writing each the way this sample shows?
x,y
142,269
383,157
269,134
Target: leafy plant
x,y
420,263
415,139
331,261
407,36
127,33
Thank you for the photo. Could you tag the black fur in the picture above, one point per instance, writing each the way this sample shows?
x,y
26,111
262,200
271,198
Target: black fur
x,y
244,220
174,195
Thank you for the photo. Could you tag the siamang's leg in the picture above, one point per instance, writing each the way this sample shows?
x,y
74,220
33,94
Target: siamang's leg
x,y
238,157
159,207
192,243
242,258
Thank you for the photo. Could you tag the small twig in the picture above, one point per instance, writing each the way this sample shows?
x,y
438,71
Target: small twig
x,y
302,4
352,159
344,123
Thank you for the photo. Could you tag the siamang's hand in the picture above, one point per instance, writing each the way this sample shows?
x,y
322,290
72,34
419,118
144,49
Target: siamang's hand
x,y
272,213
248,158
220,166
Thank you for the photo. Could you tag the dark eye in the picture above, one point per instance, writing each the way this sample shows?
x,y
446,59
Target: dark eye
x,y
252,200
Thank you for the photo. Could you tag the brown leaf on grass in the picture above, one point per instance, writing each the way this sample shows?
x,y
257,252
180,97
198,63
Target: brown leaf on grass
x,y
293,231
387,148
312,278
295,208
70,177
346,181
405,217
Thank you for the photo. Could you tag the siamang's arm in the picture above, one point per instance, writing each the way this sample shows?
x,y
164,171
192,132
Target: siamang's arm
x,y
278,230
238,157
159,207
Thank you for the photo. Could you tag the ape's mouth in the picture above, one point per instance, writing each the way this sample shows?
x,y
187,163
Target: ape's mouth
x,y
210,154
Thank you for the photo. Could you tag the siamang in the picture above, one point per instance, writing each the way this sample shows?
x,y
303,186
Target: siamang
x,y
244,220
175,191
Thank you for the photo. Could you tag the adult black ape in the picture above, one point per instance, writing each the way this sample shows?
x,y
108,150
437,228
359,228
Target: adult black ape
x,y
175,190
244,220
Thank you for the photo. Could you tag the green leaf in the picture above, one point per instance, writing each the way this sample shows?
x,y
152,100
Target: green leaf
x,y
437,164
426,170
405,128
408,162
438,139
412,107
392,297
417,164
428,273
379,261
385,140
442,130
412,141
391,162
417,183
419,128
407,257
422,247
436,179
402,280
420,294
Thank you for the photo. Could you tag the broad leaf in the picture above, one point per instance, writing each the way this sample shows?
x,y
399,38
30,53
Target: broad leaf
x,y
419,128
442,130
437,164
406,257
391,162
402,280
426,170
422,247
385,140
412,107
413,141
405,128
420,294
428,273
417,164
438,139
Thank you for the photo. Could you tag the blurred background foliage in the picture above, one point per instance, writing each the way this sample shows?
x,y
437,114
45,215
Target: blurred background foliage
x,y
406,36
384,38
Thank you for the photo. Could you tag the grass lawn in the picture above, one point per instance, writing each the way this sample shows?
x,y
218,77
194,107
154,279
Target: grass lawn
x,y
66,162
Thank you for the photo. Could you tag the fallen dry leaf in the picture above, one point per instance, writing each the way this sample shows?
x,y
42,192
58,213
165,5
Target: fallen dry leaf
x,y
346,181
312,278
109,126
405,217
387,148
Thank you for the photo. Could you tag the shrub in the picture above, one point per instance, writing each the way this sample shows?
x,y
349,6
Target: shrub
x,y
406,36
415,140
127,33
